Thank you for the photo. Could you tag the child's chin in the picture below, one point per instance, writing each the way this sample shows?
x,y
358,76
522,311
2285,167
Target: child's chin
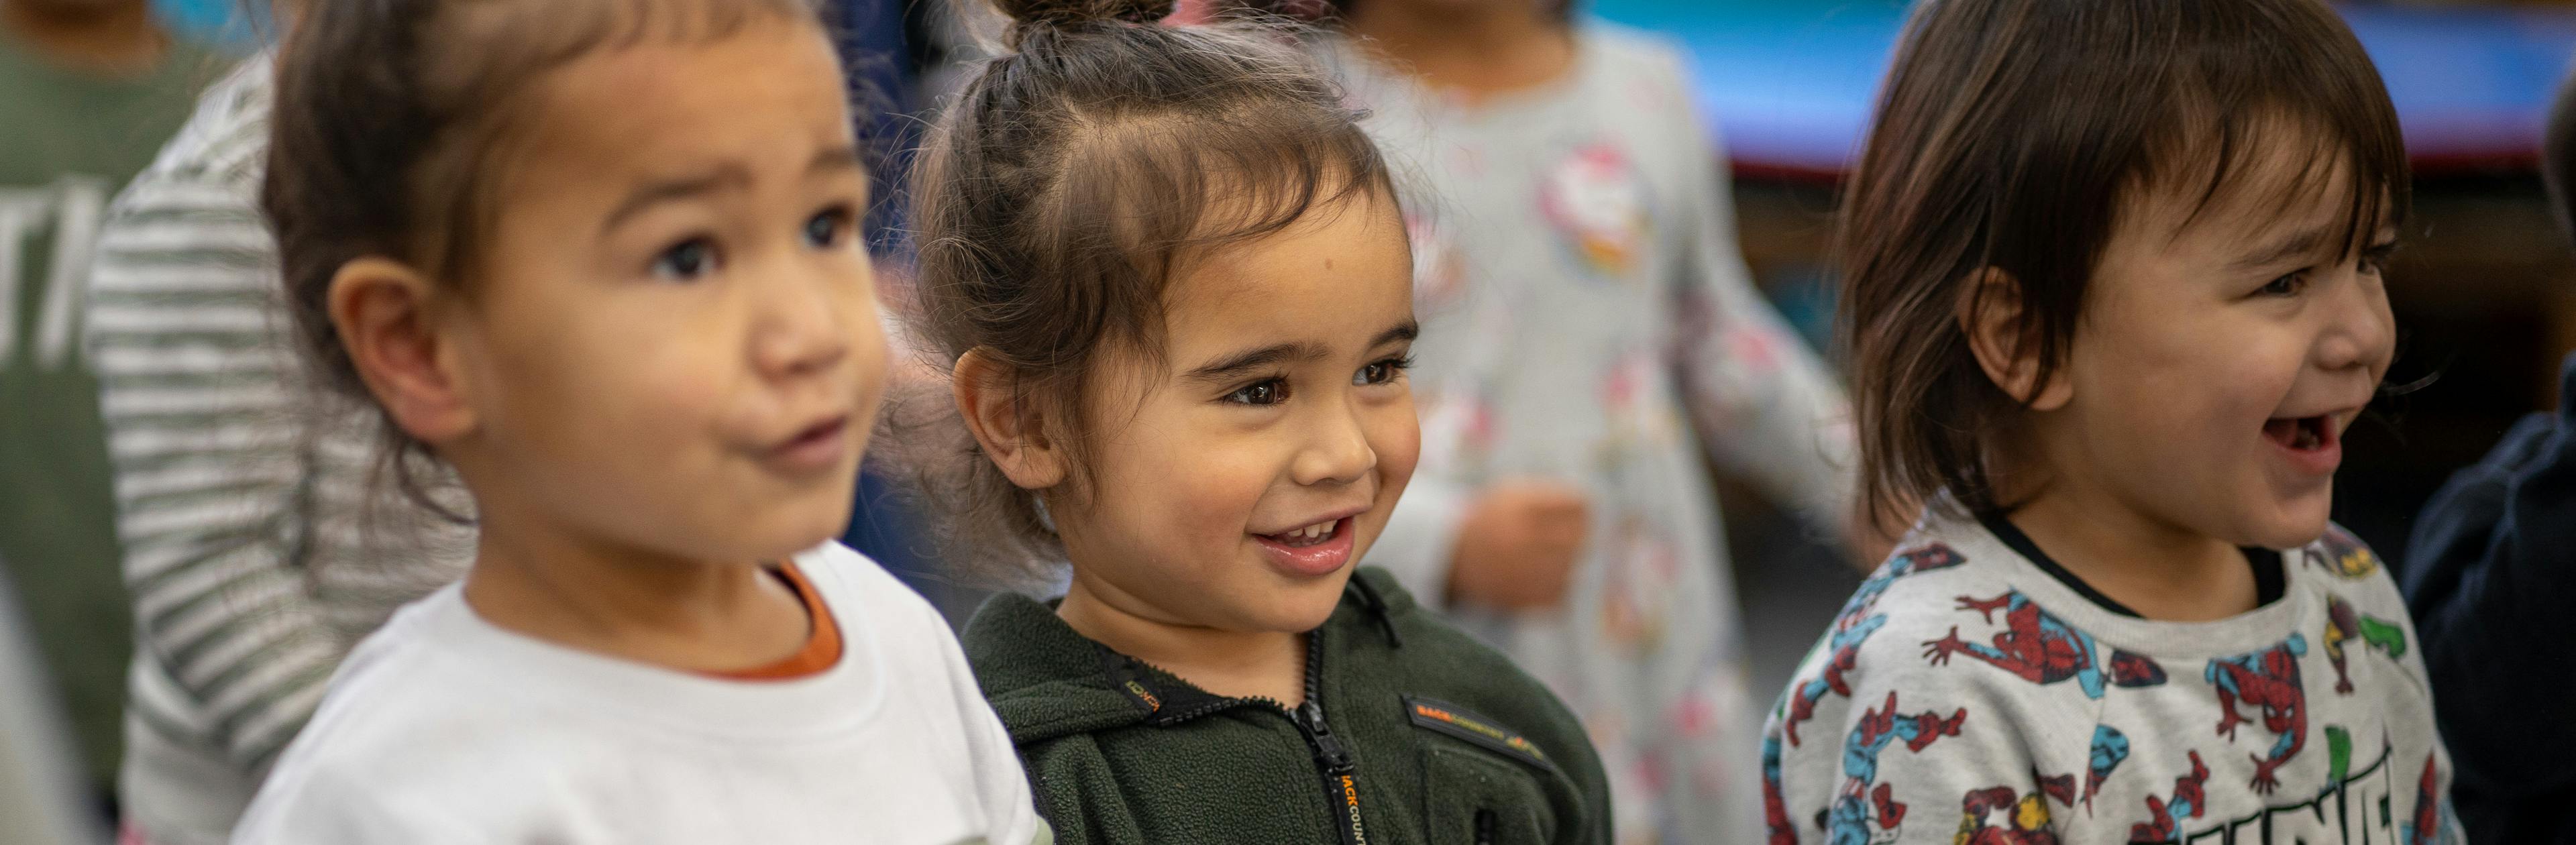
x,y
788,535
2291,524
813,520
1304,609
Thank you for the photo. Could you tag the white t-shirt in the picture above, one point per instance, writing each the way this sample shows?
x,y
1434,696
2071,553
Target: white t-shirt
x,y
442,728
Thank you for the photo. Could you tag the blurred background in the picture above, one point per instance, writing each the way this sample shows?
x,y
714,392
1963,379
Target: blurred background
x,y
2484,288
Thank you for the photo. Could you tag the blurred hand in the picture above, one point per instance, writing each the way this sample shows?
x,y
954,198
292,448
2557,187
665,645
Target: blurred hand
x,y
1517,545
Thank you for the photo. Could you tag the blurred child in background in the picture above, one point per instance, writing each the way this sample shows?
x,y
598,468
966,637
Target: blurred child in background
x,y
2113,296
258,548
600,257
88,89
1589,327
2490,574
1169,277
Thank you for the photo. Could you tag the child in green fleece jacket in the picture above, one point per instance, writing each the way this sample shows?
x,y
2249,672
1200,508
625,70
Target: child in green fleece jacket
x,y
1168,279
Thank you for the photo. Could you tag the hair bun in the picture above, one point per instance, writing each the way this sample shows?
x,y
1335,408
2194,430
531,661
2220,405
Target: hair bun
x,y
1026,13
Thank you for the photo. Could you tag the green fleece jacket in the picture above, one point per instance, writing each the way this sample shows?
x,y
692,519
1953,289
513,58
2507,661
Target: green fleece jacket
x,y
1412,733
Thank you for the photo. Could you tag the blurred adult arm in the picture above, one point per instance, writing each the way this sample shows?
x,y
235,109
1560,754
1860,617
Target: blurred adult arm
x,y
1764,403
2489,575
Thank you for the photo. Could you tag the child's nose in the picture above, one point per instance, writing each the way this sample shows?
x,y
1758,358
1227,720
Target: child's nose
x,y
801,329
2364,333
1339,452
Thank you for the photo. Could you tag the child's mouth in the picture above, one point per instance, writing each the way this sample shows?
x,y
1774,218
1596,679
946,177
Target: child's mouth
x,y
1312,535
1311,550
2311,443
2301,434
815,448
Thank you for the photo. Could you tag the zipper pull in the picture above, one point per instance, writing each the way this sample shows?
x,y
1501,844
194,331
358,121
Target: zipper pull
x,y
1327,748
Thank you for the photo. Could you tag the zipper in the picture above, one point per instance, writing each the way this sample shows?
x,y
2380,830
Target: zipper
x,y
1484,827
1332,760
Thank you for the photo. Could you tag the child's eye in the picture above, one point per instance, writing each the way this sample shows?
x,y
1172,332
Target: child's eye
x,y
687,260
1264,392
2289,285
1381,372
828,229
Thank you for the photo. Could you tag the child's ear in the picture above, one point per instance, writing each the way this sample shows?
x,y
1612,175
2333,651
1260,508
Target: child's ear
x,y
1990,312
1013,436
383,312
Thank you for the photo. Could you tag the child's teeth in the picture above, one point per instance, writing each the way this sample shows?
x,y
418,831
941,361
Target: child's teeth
x,y
1311,532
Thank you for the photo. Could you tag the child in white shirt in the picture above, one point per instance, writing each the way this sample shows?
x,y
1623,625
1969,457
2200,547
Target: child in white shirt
x,y
599,257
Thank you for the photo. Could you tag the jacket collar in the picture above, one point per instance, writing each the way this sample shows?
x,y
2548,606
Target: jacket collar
x,y
1046,680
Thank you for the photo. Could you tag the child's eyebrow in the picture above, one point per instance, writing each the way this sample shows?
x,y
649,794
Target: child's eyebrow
x,y
721,177
1404,331
1251,360
834,159
2298,244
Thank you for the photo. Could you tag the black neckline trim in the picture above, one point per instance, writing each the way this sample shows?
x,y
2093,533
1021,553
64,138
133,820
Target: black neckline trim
x,y
2271,582
2271,578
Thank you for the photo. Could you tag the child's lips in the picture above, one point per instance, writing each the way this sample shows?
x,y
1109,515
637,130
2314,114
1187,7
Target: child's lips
x,y
2312,445
816,447
1309,558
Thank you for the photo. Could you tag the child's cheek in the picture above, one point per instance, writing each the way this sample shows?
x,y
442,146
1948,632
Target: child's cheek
x,y
1395,434
685,413
1396,437
2254,374
688,385
1168,501
1215,494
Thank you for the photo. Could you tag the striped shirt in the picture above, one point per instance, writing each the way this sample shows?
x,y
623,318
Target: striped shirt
x,y
258,544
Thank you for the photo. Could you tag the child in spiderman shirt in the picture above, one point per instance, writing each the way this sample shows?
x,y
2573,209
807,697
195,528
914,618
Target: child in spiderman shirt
x,y
2113,291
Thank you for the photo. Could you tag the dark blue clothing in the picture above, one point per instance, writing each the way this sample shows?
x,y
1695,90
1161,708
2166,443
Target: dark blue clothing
x,y
883,61
2491,578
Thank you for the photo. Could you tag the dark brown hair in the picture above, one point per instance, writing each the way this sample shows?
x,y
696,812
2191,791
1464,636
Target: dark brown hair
x,y
1056,199
389,127
2011,134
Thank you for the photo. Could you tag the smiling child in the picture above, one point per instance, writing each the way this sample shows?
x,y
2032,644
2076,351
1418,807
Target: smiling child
x,y
2114,296
1170,279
